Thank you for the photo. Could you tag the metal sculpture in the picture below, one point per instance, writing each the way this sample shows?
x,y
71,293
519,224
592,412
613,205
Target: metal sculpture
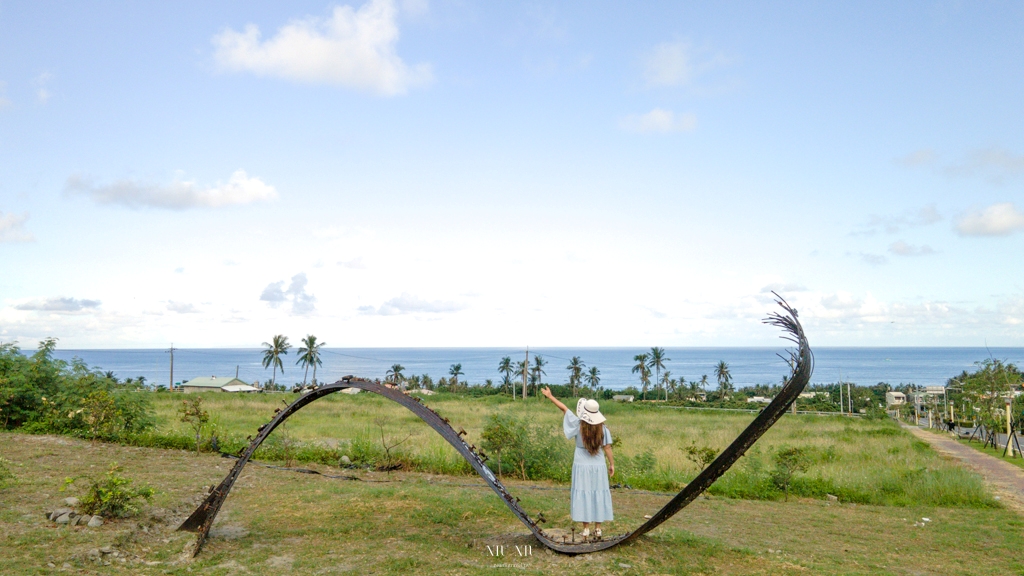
x,y
801,365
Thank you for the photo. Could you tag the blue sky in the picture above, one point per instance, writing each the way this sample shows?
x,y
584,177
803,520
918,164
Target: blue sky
x,y
430,173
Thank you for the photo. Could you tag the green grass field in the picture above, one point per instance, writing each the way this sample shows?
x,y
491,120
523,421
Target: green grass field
x,y
860,461
280,522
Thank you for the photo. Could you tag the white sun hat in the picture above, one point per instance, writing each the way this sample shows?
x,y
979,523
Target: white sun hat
x,y
589,411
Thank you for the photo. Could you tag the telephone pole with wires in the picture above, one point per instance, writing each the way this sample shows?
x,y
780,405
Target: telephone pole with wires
x,y
171,384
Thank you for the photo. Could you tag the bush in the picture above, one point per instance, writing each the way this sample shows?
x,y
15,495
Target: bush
x,y
788,461
112,496
42,395
532,451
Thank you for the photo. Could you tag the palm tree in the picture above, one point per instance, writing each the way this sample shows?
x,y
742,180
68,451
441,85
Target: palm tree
x,y
394,374
520,373
657,362
665,381
272,355
505,369
724,378
575,369
645,371
695,388
538,369
455,371
309,355
593,377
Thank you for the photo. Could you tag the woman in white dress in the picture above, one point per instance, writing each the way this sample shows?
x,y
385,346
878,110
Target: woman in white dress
x,y
591,498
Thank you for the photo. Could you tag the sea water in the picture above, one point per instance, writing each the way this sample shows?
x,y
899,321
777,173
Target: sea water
x,y
748,366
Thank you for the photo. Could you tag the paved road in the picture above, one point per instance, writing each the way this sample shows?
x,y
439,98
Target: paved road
x,y
1006,479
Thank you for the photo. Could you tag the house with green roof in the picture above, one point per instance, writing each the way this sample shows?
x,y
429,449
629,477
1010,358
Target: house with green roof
x,y
211,383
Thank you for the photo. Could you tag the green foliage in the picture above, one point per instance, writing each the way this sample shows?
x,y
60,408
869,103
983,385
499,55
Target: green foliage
x,y
43,395
191,412
788,461
529,450
112,496
701,456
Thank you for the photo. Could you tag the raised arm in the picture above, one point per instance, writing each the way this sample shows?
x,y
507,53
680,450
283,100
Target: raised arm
x,y
547,394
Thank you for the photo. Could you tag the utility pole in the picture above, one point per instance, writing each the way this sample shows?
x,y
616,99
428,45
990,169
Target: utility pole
x,y
1009,427
849,397
171,385
841,411
236,371
526,369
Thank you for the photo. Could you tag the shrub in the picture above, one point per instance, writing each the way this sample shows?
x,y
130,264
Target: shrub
x,y
112,496
529,449
701,456
788,461
44,395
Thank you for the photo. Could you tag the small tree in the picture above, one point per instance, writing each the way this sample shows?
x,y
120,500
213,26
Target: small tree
x,y
388,443
507,437
192,413
788,461
701,456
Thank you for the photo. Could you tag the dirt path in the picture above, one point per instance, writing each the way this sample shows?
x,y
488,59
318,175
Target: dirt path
x,y
1006,479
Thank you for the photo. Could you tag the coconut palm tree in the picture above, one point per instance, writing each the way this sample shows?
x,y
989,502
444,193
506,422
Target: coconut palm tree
x,y
724,378
537,372
665,381
575,369
309,355
644,370
277,347
505,369
657,361
455,371
394,374
593,377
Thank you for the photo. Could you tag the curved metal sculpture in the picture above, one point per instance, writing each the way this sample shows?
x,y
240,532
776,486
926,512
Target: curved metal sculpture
x,y
801,365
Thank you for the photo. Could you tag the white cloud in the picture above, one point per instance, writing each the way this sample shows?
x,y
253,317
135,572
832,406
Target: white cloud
x,y
408,304
181,307
178,195
42,93
674,64
920,157
995,162
901,248
893,224
873,259
12,228
58,305
997,220
302,302
351,48
659,120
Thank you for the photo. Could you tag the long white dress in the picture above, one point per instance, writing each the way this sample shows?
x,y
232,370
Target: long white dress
x,y
590,497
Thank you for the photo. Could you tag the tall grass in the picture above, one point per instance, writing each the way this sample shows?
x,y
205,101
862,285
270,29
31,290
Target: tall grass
x,y
858,460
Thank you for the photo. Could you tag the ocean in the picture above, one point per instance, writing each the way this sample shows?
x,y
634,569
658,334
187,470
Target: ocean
x,y
749,366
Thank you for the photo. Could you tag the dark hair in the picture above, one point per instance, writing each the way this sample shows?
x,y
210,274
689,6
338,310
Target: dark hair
x,y
593,436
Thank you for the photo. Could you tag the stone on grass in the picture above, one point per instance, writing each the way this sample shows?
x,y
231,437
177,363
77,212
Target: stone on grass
x,y
94,553
63,518
72,501
346,460
832,498
60,512
95,522
106,549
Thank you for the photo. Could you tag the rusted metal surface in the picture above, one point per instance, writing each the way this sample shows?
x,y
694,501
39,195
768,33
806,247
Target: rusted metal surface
x,y
801,364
